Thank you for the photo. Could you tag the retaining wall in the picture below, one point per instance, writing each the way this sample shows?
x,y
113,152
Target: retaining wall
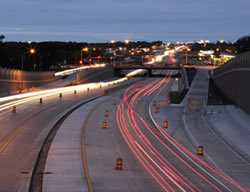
x,y
12,80
233,80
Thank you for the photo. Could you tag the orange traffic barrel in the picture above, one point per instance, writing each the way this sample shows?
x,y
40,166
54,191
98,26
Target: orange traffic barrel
x,y
156,110
75,92
100,86
118,164
14,109
41,100
60,95
165,124
154,103
88,89
200,150
104,124
114,102
28,89
106,113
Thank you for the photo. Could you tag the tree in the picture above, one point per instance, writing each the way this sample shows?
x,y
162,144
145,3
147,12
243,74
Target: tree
x,y
243,44
1,38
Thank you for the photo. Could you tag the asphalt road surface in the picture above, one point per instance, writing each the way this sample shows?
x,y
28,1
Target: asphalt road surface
x,y
154,158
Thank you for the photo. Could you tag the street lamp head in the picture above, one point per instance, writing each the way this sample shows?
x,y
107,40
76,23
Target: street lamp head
x,y
86,49
112,41
32,51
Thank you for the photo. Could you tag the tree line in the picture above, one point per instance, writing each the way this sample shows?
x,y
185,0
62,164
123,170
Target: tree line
x,y
49,55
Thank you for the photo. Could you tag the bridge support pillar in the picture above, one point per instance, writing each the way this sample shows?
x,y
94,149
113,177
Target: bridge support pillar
x,y
149,72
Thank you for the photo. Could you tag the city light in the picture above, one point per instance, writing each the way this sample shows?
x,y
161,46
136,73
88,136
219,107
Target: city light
x,y
127,41
86,49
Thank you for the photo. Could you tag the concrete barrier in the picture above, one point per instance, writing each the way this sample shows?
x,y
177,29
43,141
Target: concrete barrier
x,y
12,79
232,80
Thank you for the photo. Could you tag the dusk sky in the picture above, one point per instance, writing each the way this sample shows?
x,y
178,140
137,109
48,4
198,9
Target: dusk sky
x,y
104,20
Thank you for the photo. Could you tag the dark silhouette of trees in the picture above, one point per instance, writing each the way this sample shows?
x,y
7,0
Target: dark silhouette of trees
x,y
2,37
243,44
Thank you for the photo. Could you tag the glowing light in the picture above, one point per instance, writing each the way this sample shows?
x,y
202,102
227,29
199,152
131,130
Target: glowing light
x,y
222,41
70,71
127,41
153,160
14,100
32,51
86,49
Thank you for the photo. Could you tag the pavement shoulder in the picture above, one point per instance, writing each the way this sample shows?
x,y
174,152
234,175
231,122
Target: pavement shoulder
x,y
64,160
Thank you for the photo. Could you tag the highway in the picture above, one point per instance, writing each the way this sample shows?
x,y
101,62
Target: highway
x,y
23,132
134,132
171,164
154,158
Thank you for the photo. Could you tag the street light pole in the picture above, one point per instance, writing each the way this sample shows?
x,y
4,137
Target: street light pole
x,y
31,51
83,49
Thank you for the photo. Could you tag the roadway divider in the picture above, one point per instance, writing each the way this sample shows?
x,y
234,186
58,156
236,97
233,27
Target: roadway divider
x,y
118,164
156,110
104,124
106,113
14,109
165,124
154,103
200,150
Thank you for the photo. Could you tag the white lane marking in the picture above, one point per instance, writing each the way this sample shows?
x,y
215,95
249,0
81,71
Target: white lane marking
x,y
150,114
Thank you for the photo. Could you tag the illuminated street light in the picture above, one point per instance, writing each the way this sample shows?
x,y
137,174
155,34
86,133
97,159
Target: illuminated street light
x,y
31,51
86,49
112,41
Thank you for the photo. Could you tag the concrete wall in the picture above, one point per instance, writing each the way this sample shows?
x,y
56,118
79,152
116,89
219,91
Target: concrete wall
x,y
95,75
233,80
12,80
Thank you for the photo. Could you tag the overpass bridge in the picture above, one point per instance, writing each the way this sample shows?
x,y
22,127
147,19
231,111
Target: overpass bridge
x,y
119,68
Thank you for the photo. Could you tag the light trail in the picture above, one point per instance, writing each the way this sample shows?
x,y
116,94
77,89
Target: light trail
x,y
167,53
71,71
165,173
14,100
